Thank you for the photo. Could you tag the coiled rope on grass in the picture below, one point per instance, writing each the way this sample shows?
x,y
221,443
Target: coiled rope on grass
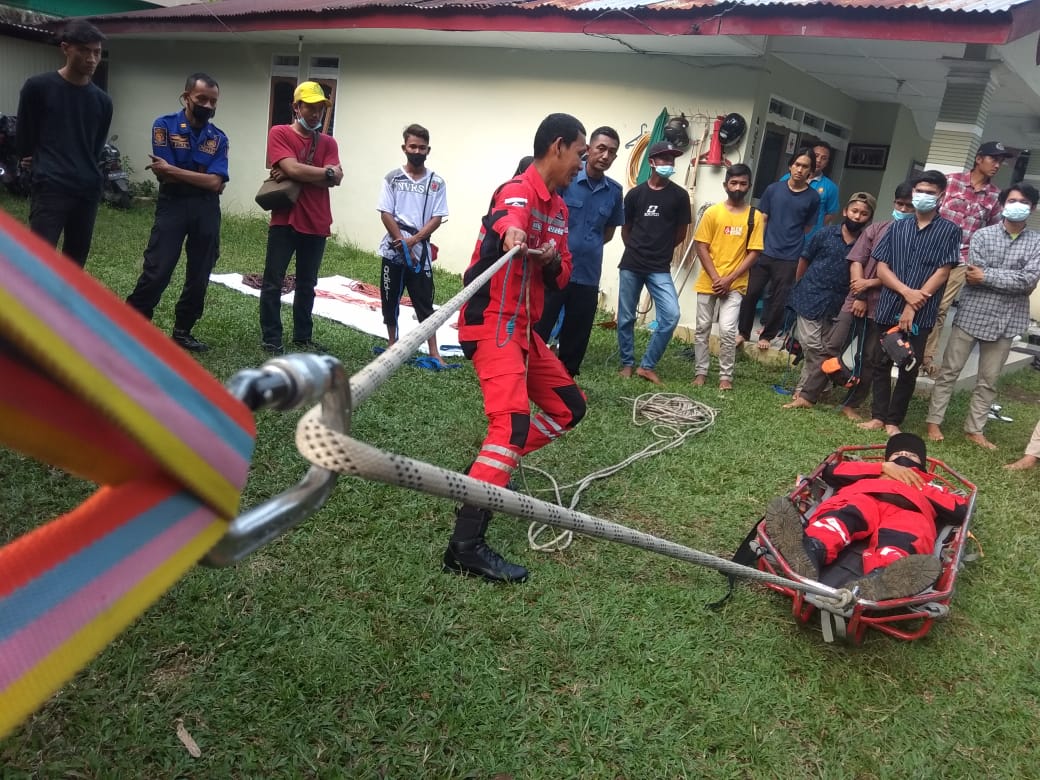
x,y
337,451
673,418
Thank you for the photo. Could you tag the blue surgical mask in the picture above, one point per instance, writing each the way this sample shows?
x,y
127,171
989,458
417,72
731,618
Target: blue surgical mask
x,y
303,123
925,201
1016,212
665,170
898,215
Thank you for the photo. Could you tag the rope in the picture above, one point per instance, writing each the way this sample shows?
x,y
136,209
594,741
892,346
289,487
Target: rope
x,y
673,418
338,452
342,454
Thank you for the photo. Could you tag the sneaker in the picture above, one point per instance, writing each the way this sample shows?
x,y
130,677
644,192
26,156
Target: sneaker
x,y
784,525
309,345
185,340
905,577
272,349
474,557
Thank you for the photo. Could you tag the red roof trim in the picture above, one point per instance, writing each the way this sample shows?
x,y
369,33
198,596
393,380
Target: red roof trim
x,y
815,22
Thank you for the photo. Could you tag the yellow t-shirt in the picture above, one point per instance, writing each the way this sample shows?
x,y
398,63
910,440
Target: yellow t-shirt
x,y
726,236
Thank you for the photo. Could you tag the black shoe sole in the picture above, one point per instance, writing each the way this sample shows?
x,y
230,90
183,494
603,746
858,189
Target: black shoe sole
x,y
785,529
900,579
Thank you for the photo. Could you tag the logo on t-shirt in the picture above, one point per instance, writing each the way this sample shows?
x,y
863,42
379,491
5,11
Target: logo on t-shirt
x,y
651,211
733,230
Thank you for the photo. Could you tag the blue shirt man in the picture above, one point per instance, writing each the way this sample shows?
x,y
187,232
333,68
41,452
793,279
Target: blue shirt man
x,y
595,206
189,158
830,205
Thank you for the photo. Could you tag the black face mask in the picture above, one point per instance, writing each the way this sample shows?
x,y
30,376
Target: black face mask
x,y
737,195
415,159
909,463
202,113
854,227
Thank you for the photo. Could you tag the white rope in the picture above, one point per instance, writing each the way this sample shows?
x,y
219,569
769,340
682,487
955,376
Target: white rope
x,y
342,454
338,452
673,417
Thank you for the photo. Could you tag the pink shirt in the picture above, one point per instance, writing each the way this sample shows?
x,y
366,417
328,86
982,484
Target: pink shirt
x,y
312,212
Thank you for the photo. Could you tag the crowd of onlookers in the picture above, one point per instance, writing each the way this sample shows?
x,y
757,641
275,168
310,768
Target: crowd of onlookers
x,y
834,275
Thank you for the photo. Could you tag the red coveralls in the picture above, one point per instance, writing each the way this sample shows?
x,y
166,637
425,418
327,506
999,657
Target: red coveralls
x,y
898,520
512,362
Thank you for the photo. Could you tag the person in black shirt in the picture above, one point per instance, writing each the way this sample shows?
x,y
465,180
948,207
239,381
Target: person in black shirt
x,y
63,121
657,216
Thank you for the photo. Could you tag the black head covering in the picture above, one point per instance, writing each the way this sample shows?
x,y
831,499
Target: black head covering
x,y
908,442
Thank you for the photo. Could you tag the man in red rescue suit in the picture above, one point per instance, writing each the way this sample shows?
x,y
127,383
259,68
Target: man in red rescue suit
x,y
893,505
496,331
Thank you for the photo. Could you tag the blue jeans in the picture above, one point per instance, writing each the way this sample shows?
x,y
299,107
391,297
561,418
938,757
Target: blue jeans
x,y
666,302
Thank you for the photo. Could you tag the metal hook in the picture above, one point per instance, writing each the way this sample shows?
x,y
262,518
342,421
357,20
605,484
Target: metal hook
x,y
284,383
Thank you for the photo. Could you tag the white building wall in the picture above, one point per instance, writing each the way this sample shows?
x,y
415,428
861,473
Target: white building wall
x,y
481,105
18,61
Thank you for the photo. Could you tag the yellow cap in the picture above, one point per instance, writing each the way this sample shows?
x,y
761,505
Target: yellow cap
x,y
310,92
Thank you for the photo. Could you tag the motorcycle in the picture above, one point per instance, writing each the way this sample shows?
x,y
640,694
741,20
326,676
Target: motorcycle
x,y
14,176
117,183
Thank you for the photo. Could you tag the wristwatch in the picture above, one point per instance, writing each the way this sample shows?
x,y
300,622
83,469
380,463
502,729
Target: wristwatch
x,y
330,173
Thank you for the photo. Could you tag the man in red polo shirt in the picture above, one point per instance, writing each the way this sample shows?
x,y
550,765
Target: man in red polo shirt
x,y
496,331
303,153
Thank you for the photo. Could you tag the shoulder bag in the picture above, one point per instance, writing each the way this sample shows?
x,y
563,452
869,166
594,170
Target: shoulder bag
x,y
278,195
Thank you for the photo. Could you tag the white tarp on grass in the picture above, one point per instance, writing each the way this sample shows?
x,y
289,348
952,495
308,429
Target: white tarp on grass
x,y
357,306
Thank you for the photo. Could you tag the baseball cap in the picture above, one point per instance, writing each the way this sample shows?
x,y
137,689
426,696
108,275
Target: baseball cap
x,y
310,92
664,149
863,197
993,149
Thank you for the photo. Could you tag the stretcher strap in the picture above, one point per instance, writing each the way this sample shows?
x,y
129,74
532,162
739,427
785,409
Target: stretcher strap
x,y
97,348
91,387
69,587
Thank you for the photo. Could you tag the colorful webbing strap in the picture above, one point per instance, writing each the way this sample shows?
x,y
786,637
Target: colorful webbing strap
x,y
90,386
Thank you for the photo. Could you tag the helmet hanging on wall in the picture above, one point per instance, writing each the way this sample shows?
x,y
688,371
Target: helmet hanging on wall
x,y
676,131
732,130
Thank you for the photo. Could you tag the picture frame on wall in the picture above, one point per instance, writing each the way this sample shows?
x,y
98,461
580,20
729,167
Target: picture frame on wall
x,y
868,157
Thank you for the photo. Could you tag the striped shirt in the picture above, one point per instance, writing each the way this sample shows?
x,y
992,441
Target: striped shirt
x,y
999,306
913,254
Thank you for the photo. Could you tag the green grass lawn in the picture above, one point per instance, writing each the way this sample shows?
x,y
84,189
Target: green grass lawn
x,y
342,651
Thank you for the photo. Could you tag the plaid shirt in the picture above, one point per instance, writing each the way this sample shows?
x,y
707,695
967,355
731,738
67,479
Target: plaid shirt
x,y
999,306
968,208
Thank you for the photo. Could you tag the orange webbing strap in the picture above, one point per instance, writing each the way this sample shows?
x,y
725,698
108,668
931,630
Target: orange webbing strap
x,y
90,386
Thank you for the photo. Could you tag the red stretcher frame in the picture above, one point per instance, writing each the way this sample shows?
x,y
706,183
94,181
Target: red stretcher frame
x,y
903,618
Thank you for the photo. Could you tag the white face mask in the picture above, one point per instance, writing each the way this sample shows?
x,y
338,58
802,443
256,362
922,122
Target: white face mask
x,y
925,201
1016,212
303,123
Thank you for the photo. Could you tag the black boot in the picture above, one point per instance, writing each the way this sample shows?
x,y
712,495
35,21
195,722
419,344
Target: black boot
x,y
469,554
803,554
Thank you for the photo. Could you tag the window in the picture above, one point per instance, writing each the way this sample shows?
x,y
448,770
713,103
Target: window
x,y
284,72
287,73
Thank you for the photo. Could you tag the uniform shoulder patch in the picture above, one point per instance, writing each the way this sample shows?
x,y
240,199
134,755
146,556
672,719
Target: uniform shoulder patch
x,y
159,136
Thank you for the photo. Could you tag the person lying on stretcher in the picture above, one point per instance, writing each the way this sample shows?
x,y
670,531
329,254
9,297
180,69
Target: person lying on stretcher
x,y
892,505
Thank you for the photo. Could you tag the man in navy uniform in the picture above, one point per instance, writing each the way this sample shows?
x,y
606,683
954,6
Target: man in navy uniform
x,y
189,158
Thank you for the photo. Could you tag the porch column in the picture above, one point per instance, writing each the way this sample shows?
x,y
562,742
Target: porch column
x,y
970,84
